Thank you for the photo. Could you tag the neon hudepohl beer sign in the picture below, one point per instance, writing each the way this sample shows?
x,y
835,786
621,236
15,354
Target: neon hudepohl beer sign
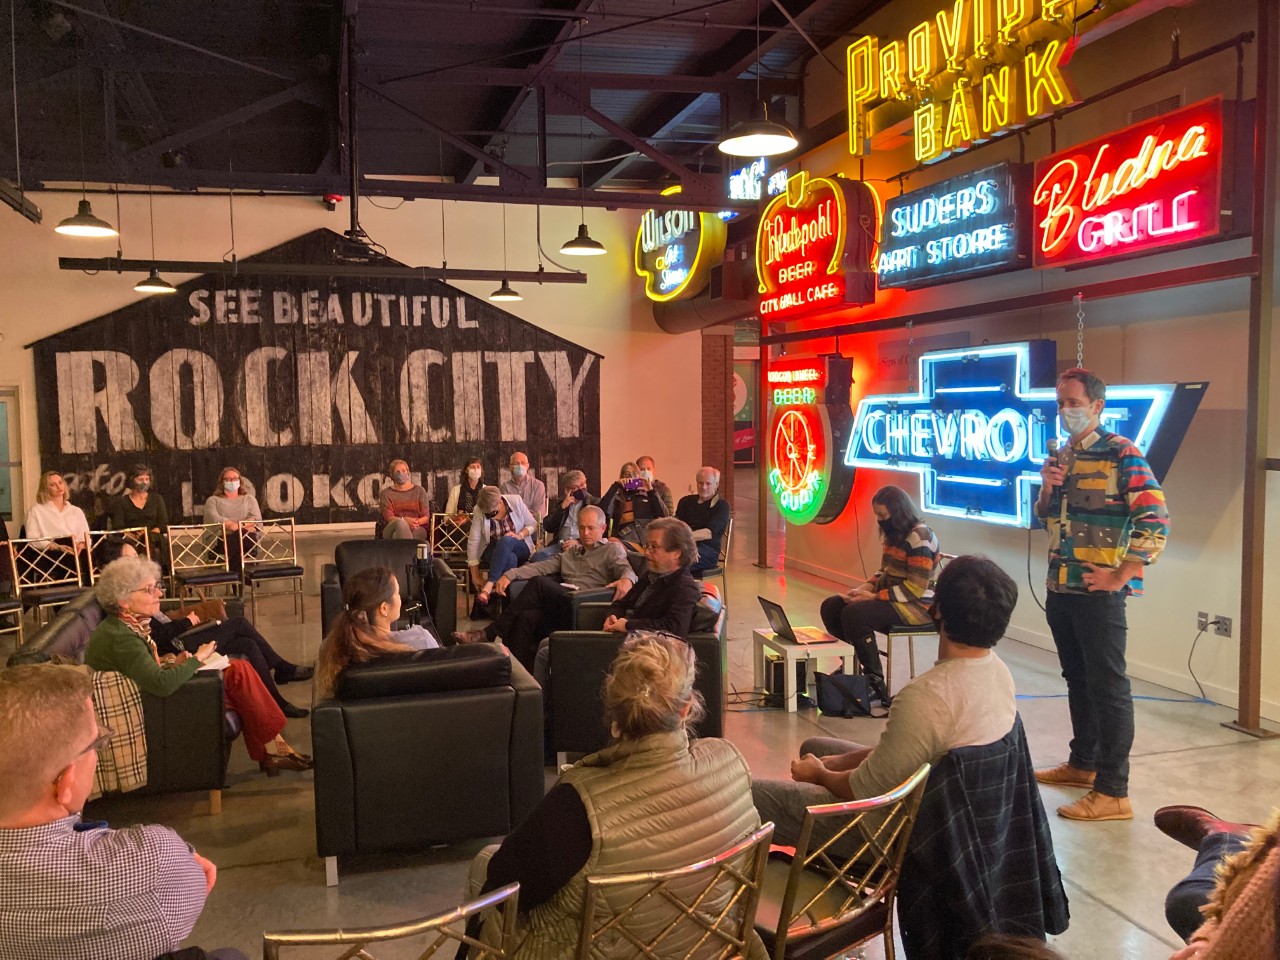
x,y
814,246
808,426
976,432
972,69
960,227
676,249
1152,185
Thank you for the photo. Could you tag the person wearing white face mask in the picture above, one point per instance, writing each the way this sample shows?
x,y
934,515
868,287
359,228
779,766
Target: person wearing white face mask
x,y
404,509
232,507
463,496
526,486
1106,518
648,472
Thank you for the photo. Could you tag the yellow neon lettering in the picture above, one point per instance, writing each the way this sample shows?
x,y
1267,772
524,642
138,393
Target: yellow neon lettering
x,y
961,119
1045,82
922,53
1054,10
1012,16
862,88
953,32
997,99
928,120
893,70
982,29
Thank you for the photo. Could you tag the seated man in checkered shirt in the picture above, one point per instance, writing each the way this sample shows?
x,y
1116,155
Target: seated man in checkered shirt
x,y
71,889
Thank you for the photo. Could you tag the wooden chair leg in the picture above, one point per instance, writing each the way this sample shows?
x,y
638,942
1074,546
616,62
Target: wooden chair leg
x,y
911,655
330,871
215,802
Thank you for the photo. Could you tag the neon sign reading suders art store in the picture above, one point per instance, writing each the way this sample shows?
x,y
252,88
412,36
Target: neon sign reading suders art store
x,y
1152,185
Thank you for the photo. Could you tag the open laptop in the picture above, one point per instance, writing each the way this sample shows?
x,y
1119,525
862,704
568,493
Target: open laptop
x,y
782,626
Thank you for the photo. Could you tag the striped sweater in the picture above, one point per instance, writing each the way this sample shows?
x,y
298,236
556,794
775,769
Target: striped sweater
x,y
906,574
1109,510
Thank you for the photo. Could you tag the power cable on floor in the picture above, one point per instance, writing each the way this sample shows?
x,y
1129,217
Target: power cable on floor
x,y
1030,582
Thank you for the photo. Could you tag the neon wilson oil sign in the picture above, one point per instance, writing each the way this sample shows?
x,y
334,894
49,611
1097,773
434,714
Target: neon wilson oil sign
x,y
675,251
1152,185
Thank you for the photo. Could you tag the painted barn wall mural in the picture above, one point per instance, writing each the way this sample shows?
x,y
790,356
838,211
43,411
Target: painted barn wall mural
x,y
310,386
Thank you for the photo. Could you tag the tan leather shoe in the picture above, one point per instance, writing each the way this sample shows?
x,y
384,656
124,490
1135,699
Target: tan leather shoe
x,y
1097,806
1065,775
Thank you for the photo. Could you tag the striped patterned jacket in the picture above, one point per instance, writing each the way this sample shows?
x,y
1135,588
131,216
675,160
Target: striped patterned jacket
x,y
906,575
1110,510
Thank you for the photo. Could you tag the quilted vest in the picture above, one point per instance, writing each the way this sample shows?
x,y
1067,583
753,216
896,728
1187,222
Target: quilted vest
x,y
654,804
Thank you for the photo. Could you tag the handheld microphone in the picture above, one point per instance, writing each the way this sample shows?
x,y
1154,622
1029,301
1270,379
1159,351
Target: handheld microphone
x,y
1053,444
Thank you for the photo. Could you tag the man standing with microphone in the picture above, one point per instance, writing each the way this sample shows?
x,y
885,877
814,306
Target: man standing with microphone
x,y
1106,518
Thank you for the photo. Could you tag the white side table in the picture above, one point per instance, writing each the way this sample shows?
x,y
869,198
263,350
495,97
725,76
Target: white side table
x,y
791,653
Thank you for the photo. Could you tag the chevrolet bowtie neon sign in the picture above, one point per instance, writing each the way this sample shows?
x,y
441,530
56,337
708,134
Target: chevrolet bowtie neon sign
x,y
976,432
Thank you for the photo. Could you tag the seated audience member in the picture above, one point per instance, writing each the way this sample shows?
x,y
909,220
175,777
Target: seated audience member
x,y
899,592
404,509
562,517
72,889
1240,862
55,518
707,516
543,606
234,509
129,591
501,538
140,506
630,503
463,496
526,486
234,636
647,472
639,791
362,632
664,598
965,700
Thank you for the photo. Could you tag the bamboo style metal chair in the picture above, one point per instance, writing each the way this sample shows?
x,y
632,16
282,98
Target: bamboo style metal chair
x,y
45,575
824,903
441,930
711,905
198,560
722,564
135,536
269,554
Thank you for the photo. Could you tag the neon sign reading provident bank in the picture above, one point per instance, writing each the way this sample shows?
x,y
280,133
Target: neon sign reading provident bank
x,y
1151,185
977,431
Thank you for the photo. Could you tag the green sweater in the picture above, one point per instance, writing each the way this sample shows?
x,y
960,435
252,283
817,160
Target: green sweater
x,y
114,646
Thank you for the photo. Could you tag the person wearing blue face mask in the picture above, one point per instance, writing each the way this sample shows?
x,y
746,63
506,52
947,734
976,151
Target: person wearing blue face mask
x,y
1106,518
404,509
235,508
523,484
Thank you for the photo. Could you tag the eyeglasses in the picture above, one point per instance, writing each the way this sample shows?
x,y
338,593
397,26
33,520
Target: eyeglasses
x,y
156,588
103,738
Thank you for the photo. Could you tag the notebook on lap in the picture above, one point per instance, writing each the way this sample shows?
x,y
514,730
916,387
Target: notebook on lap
x,y
780,625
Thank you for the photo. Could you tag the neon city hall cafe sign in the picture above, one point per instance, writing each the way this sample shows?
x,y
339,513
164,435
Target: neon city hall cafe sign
x,y
1152,185
973,69
976,433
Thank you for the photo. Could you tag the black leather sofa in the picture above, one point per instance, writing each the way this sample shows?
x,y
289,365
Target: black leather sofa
x,y
431,748
352,556
189,733
580,660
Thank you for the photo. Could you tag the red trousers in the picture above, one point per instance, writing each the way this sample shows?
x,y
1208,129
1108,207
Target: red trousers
x,y
260,716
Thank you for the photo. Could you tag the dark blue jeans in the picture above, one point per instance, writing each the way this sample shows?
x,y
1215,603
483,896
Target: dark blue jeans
x,y
1090,633
504,554
1182,905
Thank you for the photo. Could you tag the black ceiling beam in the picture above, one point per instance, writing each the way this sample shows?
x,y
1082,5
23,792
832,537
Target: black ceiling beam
x,y
662,83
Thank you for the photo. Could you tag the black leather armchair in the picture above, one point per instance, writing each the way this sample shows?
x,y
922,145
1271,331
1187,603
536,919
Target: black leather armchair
x,y
424,749
352,556
580,660
189,732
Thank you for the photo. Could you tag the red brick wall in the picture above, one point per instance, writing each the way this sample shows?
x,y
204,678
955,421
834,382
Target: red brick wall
x,y
717,405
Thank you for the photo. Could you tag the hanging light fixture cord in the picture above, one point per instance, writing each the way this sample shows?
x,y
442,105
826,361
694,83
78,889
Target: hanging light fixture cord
x,y
582,166
151,208
13,76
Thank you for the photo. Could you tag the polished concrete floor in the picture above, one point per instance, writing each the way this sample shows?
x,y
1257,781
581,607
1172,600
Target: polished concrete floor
x,y
1116,873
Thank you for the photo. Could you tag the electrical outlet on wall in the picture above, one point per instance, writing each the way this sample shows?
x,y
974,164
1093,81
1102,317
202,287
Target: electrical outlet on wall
x,y
1222,626
1202,621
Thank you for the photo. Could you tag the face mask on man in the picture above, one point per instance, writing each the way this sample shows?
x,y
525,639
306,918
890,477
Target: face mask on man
x,y
580,494
647,474
474,473
400,476
231,486
519,470
1075,419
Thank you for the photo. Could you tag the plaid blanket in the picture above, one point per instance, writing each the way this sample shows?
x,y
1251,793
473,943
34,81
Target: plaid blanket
x,y
122,764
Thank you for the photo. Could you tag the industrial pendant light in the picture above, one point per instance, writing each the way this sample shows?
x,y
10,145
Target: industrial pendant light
x,y
760,137
582,245
84,223
153,283
504,293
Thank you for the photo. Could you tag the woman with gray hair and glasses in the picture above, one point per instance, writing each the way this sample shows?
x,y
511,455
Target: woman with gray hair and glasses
x,y
129,591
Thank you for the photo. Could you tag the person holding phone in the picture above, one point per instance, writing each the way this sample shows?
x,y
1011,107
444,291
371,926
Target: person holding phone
x,y
630,503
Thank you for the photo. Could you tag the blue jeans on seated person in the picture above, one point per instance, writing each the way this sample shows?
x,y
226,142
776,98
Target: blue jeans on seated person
x,y
1182,905
505,554
547,552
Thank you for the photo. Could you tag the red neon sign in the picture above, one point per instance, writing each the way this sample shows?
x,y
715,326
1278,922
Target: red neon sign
x,y
807,258
1152,185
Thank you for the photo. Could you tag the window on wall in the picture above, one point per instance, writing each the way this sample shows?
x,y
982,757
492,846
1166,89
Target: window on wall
x,y
10,453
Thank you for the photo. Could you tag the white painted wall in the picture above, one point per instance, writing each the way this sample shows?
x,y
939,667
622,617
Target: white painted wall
x,y
650,380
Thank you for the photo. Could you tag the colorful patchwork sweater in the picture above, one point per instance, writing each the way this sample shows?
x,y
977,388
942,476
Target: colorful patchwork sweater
x,y
906,575
1109,510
